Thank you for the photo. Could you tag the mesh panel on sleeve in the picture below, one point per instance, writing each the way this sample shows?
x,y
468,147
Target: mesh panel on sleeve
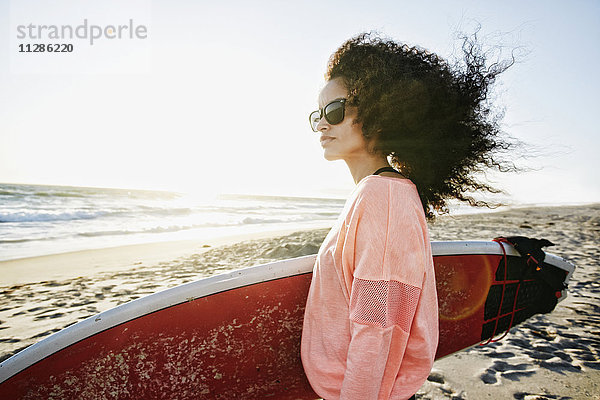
x,y
383,303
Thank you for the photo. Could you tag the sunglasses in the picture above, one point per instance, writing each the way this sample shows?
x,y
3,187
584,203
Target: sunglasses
x,y
333,113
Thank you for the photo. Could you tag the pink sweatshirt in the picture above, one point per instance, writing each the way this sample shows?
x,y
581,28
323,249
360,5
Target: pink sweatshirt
x,y
371,321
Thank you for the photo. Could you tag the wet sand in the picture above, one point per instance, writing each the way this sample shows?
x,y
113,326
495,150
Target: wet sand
x,y
552,356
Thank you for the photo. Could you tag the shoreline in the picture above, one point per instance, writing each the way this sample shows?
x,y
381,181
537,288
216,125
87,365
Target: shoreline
x,y
115,258
174,247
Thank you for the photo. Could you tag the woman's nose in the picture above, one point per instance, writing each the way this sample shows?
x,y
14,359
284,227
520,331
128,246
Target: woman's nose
x,y
322,125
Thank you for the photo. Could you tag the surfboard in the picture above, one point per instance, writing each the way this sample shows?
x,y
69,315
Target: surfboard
x,y
237,335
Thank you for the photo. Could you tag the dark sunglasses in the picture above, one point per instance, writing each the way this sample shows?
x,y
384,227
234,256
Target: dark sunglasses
x,y
333,113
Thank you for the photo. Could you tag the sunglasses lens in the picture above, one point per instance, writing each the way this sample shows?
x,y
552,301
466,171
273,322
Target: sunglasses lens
x,y
334,113
314,118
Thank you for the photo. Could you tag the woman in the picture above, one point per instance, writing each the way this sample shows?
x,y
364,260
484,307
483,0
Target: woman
x,y
371,321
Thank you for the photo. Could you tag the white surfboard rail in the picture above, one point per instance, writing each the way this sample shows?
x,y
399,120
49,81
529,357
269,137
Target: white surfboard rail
x,y
216,284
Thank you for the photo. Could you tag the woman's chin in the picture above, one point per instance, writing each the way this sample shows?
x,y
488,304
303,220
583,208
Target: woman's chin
x,y
330,157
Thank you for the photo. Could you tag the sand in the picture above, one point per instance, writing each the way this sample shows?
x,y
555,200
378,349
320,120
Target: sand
x,y
552,356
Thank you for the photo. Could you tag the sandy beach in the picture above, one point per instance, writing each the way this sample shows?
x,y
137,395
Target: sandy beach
x,y
553,356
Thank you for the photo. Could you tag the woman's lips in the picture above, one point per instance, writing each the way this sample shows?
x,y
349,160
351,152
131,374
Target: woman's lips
x,y
326,139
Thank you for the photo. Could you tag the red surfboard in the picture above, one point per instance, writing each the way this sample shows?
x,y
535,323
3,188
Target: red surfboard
x,y
237,335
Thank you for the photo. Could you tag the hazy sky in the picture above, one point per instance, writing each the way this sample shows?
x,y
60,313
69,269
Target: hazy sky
x,y
217,97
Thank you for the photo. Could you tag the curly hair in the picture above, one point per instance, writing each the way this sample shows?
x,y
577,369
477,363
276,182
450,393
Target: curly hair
x,y
430,119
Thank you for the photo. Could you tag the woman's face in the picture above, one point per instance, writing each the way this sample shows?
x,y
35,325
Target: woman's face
x,y
343,141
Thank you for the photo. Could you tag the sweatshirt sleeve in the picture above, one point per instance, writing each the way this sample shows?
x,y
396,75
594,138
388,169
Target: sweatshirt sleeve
x,y
385,255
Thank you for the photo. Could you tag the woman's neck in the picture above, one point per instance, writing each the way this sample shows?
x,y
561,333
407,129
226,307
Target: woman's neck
x,y
364,166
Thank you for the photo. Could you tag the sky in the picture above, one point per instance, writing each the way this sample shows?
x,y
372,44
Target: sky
x,y
216,96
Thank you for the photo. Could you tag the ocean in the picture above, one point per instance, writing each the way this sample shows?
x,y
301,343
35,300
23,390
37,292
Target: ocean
x,y
38,220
